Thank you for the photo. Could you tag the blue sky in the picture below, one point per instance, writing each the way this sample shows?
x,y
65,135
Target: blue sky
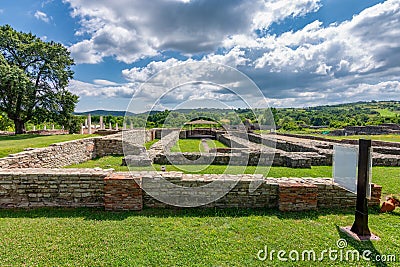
x,y
299,53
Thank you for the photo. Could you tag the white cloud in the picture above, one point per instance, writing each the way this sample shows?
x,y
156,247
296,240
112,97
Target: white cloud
x,y
105,82
349,61
143,74
46,2
130,30
84,52
42,16
101,88
276,10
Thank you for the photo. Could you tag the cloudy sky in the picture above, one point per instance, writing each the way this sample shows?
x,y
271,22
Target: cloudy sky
x,y
299,53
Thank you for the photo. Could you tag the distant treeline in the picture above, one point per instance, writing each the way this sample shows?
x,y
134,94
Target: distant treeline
x,y
335,116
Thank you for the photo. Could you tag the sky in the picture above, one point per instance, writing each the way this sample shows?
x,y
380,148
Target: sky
x,y
298,53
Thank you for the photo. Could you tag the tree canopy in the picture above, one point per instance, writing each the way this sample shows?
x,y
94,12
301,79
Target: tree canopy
x,y
34,75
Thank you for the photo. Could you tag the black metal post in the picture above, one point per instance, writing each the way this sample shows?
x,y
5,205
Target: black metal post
x,y
360,225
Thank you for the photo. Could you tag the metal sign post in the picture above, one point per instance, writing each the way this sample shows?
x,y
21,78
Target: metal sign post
x,y
360,229
360,225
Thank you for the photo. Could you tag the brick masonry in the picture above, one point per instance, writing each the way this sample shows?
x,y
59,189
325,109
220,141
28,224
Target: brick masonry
x,y
25,188
122,192
297,196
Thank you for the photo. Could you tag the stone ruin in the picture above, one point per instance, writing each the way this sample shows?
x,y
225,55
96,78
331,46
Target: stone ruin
x,y
34,178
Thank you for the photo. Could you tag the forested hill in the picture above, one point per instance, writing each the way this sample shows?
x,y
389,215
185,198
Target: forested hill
x,y
333,116
341,115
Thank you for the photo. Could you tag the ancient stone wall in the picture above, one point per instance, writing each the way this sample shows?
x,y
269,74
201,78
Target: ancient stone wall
x,y
54,156
76,151
51,188
164,145
375,143
371,130
120,190
253,158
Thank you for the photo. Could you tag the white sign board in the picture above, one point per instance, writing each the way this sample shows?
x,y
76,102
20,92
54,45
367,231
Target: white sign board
x,y
345,168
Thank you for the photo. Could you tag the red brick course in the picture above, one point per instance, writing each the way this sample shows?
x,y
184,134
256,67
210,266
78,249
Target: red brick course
x,y
122,192
297,196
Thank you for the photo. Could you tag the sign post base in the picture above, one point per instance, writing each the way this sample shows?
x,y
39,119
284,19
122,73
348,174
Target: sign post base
x,y
347,230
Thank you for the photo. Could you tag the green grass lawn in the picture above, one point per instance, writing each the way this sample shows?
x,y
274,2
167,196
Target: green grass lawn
x,y
386,113
188,145
147,145
194,145
17,143
387,177
185,237
383,137
215,144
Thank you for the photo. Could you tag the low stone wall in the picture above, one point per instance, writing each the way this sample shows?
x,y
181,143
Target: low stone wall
x,y
332,196
376,143
164,145
297,197
371,130
54,156
385,160
48,132
76,151
162,132
25,188
120,190
253,158
115,146
136,136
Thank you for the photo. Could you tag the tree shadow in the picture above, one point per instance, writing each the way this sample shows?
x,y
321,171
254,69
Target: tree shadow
x,y
19,137
200,212
362,246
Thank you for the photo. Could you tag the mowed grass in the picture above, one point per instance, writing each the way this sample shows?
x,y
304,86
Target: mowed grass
x,y
147,145
386,113
215,144
17,143
383,137
186,237
387,177
194,145
188,145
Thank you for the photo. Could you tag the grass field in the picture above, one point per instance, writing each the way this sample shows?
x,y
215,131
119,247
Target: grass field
x,y
215,144
386,113
383,137
147,145
194,145
387,177
193,237
187,237
17,143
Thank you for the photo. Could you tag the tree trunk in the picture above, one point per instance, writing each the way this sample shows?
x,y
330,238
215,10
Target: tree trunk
x,y
19,126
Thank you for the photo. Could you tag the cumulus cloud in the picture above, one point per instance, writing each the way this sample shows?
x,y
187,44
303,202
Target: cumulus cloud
x,y
130,30
101,88
317,64
42,16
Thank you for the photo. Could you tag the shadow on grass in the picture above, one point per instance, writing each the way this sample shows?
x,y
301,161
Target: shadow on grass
x,y
19,137
101,214
362,246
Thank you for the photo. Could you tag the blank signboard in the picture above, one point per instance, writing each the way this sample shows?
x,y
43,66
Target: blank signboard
x,y
345,168
345,165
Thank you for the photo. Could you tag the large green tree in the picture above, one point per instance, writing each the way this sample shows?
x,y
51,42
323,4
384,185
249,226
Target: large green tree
x,y
34,75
